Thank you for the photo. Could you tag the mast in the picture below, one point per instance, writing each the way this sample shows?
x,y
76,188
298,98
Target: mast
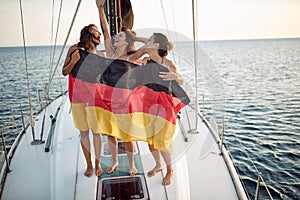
x,y
112,12
119,14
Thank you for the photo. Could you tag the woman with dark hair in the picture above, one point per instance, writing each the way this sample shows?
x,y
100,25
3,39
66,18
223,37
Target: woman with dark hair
x,y
123,46
82,118
122,49
157,47
89,40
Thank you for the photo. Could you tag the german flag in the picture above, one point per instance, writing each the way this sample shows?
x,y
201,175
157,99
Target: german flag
x,y
125,100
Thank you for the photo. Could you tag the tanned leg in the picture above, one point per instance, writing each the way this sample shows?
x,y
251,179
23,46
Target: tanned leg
x,y
113,148
85,145
129,147
156,156
168,160
97,139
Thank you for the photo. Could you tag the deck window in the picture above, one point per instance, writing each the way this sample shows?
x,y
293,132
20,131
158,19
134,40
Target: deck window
x,y
118,188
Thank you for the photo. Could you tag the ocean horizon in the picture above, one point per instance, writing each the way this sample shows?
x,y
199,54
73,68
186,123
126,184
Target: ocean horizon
x,y
210,40
253,83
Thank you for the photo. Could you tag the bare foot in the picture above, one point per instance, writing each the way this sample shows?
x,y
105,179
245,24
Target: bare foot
x,y
89,171
112,168
168,178
154,171
133,171
98,170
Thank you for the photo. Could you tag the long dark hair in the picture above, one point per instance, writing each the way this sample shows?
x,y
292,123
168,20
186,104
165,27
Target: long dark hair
x,y
164,44
86,38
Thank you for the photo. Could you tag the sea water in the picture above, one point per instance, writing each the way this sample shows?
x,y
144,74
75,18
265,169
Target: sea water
x,y
254,85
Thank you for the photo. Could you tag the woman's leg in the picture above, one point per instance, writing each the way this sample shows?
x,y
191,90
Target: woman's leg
x,y
168,160
113,148
85,145
97,139
129,147
156,156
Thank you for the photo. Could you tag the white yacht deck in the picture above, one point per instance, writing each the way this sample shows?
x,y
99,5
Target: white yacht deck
x,y
199,170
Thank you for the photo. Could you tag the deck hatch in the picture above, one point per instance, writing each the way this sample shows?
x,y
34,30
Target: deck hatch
x,y
118,188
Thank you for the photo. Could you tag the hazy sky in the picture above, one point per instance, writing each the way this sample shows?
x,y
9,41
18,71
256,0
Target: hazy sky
x,y
217,19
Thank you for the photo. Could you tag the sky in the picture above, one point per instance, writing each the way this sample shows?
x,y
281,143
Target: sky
x,y
216,19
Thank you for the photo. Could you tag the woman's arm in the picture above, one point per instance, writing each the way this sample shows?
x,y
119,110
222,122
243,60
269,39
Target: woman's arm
x,y
141,39
139,53
169,76
105,28
70,60
172,74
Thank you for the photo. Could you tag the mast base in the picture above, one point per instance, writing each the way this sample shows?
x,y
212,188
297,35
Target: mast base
x,y
193,131
37,142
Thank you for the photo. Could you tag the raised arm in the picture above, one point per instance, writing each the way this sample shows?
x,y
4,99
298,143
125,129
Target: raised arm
x,y
141,39
141,51
105,28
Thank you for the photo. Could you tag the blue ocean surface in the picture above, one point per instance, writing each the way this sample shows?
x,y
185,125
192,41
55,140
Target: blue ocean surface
x,y
253,84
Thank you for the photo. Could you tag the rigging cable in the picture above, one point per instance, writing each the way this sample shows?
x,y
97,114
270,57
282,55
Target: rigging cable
x,y
180,60
51,39
166,23
56,35
26,64
174,24
164,13
174,57
64,46
195,37
176,39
